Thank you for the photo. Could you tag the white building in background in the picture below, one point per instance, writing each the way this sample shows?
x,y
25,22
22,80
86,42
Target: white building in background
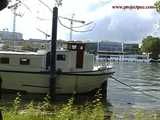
x,y
32,43
6,35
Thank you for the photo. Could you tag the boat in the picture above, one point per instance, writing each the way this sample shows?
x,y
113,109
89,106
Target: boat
x,y
76,71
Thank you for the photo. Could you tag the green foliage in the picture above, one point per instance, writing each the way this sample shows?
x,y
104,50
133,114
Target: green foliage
x,y
17,102
151,45
157,5
66,112
46,105
48,111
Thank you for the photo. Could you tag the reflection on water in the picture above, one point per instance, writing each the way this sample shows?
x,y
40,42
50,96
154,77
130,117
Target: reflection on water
x,y
141,76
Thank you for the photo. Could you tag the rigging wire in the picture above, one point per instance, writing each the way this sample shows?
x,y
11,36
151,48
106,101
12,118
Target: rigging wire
x,y
140,91
74,29
45,5
80,21
83,25
26,6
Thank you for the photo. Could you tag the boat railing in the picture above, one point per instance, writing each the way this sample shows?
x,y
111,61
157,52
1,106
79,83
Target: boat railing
x,y
102,62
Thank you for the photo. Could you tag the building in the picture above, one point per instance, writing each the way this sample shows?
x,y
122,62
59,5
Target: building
x,y
91,47
31,44
108,46
118,47
6,35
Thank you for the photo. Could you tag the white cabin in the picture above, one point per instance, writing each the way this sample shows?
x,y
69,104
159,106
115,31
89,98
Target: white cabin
x,y
68,60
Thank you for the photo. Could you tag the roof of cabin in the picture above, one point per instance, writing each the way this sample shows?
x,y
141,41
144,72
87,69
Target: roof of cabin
x,y
40,52
22,52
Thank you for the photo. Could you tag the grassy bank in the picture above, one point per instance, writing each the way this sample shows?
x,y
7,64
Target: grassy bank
x,y
47,111
69,111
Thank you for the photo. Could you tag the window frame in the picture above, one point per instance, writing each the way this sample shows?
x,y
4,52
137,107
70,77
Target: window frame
x,y
2,61
61,57
23,62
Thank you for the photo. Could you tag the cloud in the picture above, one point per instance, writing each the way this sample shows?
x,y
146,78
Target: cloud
x,y
122,26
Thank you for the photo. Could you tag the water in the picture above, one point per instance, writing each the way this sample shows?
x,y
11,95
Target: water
x,y
142,76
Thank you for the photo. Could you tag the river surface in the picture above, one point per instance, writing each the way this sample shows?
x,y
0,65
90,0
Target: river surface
x,y
141,76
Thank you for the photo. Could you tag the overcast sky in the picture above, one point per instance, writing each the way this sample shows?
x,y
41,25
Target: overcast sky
x,y
110,24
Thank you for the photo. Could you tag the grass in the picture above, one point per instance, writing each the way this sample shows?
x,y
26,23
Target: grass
x,y
47,111
94,110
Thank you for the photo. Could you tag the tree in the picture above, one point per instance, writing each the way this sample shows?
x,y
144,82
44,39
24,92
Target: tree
x,y
157,5
151,45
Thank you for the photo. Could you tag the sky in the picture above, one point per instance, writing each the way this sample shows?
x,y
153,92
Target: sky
x,y
107,23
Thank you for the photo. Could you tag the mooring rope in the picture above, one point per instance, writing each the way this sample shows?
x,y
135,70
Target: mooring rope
x,y
140,91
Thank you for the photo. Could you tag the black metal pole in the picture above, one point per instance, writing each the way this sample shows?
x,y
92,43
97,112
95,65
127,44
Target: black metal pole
x,y
1,117
3,4
52,82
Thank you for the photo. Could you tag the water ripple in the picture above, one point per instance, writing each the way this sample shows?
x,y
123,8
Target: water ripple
x,y
141,76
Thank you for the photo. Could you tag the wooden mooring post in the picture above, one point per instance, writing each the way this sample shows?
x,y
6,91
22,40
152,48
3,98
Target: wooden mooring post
x,y
52,81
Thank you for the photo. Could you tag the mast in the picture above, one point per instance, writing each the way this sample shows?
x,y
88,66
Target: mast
x,y
14,8
52,81
71,27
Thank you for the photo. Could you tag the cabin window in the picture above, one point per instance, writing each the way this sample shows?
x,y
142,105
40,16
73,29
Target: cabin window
x,y
4,60
74,47
61,57
48,57
24,61
81,47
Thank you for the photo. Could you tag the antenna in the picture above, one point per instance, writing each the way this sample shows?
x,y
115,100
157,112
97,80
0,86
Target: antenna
x,y
46,34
